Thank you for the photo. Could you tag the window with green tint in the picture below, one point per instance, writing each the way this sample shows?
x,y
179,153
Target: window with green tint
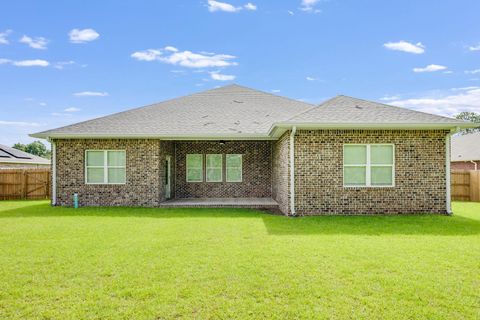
x,y
95,175
368,165
355,176
234,163
194,167
381,176
214,167
116,158
381,154
95,158
105,167
355,154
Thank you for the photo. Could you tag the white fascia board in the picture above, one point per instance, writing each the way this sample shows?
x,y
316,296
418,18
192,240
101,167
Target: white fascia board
x,y
150,136
25,162
277,129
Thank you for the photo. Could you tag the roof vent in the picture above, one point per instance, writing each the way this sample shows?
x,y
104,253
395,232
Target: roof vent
x,y
237,101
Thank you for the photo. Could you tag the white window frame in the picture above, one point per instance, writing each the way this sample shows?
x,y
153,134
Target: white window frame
x,y
105,166
368,166
201,167
207,167
241,167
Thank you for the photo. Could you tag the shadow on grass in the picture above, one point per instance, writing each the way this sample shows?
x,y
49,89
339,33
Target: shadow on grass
x,y
275,225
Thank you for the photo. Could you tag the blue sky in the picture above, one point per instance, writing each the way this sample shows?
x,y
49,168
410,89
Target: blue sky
x,y
66,61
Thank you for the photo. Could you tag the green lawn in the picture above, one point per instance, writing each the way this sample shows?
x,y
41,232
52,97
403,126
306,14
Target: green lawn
x,y
62,263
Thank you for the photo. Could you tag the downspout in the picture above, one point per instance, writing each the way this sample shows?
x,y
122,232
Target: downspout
x,y
447,170
475,164
292,171
54,174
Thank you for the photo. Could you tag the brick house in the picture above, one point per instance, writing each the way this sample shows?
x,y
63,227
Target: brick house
x,y
466,151
235,146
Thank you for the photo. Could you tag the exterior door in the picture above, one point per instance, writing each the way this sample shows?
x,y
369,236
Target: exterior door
x,y
168,177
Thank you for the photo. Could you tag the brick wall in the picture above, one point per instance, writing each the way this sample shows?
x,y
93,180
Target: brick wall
x,y
257,167
144,173
280,172
419,173
464,165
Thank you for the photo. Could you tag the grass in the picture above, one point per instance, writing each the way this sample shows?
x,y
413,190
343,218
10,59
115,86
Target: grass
x,y
104,263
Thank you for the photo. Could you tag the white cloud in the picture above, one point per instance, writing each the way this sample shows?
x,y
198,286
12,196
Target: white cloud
x,y
72,109
147,55
222,6
430,68
214,6
170,48
91,94
185,58
291,12
221,77
445,103
82,36
309,6
275,90
472,71
3,36
448,72
61,64
471,48
43,104
405,46
26,63
19,123
31,63
311,78
35,43
389,98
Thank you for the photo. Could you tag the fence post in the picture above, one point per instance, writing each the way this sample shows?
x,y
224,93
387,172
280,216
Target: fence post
x,y
24,184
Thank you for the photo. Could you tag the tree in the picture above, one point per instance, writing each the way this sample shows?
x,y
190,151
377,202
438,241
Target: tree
x,y
469,116
36,147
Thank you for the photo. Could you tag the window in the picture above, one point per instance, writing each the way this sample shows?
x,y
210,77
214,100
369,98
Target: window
x,y
368,165
214,168
105,167
234,167
194,168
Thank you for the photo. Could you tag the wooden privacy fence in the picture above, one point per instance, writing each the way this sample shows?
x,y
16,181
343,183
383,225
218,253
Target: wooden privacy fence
x,y
465,185
24,184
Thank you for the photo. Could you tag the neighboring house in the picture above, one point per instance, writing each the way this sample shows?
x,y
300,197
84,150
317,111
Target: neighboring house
x,y
13,158
235,145
466,151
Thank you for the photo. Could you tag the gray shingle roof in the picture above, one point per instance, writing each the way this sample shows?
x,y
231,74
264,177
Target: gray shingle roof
x,y
466,147
343,109
11,155
238,112
231,110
